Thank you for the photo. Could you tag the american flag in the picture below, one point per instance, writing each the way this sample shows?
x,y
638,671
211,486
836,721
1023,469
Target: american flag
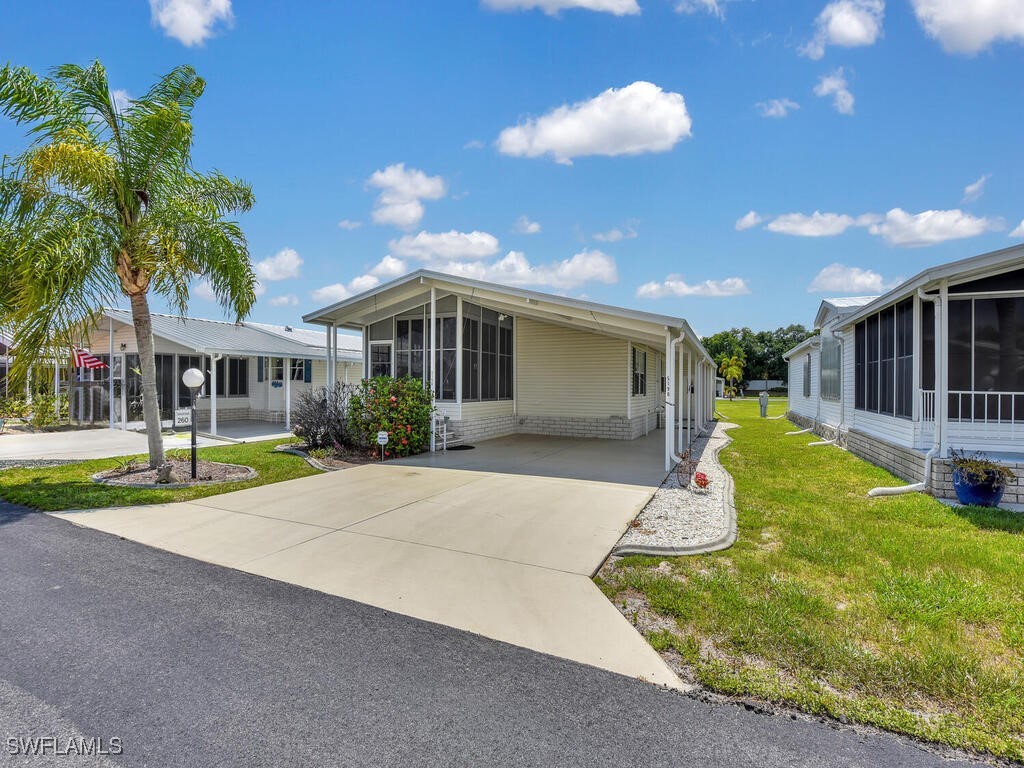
x,y
83,359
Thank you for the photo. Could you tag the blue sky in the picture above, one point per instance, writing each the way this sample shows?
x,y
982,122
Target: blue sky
x,y
611,149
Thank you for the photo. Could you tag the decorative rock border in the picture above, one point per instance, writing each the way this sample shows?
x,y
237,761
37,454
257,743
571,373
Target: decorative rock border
x,y
723,541
250,474
285,448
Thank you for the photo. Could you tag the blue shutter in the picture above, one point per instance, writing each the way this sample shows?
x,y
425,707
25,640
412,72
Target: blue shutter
x,y
259,369
307,374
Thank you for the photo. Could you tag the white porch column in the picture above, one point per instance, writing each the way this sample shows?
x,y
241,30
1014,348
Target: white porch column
x,y
458,350
689,400
669,404
680,382
124,392
287,394
334,354
433,366
56,388
942,381
213,393
110,379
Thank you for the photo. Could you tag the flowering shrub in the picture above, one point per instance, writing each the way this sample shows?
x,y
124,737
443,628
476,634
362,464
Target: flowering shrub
x,y
400,407
702,480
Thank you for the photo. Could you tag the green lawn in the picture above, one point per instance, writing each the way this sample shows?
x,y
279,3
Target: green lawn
x,y
899,612
68,486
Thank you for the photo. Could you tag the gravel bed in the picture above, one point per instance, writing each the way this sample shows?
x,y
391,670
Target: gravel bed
x,y
680,520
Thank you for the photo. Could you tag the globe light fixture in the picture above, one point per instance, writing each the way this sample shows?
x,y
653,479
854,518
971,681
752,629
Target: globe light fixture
x,y
194,379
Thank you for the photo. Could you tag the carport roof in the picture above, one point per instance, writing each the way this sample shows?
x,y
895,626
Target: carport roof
x,y
414,290
221,337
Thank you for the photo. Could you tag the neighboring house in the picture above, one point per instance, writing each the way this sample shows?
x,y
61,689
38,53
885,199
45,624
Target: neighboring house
x,y
934,365
507,360
253,370
759,385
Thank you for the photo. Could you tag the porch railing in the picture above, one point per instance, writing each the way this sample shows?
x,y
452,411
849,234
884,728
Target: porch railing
x,y
966,407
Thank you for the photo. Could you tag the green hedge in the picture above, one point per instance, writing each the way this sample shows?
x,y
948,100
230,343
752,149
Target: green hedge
x,y
400,407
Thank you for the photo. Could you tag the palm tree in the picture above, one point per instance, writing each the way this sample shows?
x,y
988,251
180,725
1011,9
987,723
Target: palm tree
x,y
731,369
105,201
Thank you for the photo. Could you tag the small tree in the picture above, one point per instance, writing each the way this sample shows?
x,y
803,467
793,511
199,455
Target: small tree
x,y
321,416
400,407
731,369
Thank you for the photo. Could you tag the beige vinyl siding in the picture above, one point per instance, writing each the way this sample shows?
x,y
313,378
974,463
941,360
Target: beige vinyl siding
x,y
484,409
568,373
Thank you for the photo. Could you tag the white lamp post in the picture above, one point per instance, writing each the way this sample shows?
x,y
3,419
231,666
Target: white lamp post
x,y
194,379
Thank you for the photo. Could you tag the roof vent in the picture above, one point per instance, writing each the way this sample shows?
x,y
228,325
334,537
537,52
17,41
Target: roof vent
x,y
289,328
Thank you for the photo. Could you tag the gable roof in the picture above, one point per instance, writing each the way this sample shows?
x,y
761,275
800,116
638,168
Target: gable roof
x,y
212,337
347,343
413,290
840,306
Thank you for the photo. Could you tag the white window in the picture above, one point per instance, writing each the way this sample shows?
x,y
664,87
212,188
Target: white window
x,y
639,372
298,370
277,369
380,359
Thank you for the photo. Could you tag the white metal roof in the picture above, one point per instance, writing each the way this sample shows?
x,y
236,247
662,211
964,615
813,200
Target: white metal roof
x,y
222,337
840,306
349,346
414,290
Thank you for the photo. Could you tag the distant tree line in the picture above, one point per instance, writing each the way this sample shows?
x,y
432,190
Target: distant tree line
x,y
760,351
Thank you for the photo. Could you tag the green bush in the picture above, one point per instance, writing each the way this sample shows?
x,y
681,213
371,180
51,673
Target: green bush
x,y
44,414
14,408
400,407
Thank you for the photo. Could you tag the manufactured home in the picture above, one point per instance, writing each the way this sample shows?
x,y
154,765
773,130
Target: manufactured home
x,y
934,365
502,360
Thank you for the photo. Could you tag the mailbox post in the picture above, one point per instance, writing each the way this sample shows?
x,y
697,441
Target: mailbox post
x,y
193,378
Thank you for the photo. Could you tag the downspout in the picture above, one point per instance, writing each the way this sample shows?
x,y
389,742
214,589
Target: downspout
x,y
939,404
213,393
670,452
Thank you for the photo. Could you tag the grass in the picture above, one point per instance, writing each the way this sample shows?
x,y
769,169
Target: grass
x,y
69,486
897,612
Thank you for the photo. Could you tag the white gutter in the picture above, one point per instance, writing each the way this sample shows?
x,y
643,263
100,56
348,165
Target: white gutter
x,y
670,367
213,393
939,403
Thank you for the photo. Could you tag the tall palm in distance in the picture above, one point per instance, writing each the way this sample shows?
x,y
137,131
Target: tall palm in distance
x,y
105,202
731,369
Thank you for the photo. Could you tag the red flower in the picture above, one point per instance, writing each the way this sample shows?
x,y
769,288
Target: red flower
x,y
405,441
394,399
701,480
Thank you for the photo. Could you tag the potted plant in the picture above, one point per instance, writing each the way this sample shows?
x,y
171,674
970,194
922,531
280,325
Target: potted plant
x,y
979,482
701,481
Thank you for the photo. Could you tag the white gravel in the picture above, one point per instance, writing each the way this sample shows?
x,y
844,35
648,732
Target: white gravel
x,y
683,518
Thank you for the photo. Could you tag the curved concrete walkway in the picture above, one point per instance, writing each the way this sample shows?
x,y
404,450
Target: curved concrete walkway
x,y
507,556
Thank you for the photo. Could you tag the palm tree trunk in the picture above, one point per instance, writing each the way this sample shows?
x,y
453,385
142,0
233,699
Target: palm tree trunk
x,y
147,362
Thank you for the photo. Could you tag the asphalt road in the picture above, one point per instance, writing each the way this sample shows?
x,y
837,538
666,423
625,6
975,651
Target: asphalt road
x,y
190,664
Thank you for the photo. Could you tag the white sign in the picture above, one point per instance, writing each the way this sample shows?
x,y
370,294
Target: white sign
x,y
382,438
183,417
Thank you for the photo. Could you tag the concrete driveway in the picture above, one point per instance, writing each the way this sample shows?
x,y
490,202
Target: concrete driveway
x,y
503,554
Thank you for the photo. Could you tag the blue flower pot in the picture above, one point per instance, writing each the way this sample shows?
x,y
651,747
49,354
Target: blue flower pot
x,y
972,492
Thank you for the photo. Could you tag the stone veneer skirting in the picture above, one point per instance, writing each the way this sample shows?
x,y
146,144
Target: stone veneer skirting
x,y
611,428
906,463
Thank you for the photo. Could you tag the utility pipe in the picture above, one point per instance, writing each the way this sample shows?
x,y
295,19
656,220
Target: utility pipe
x,y
939,403
671,345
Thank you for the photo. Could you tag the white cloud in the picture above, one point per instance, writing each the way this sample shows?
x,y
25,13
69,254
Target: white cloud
x,y
474,144
389,267
674,285
816,225
431,246
331,294
1018,230
349,224
190,21
835,85
283,265
121,98
776,107
552,7
621,121
515,269
837,278
615,234
748,220
847,23
970,26
526,226
402,192
929,227
288,300
973,192
689,7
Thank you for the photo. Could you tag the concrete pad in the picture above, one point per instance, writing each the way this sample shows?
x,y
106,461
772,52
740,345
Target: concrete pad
x,y
148,524
566,525
84,444
338,499
549,611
